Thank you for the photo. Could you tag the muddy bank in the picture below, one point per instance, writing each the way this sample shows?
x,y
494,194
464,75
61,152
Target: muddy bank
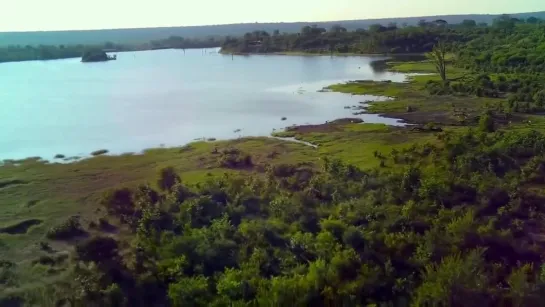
x,y
329,126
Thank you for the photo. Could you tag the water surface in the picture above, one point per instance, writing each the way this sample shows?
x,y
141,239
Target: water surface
x,y
152,98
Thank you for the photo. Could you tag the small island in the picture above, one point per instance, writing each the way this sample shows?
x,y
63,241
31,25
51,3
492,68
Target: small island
x,y
96,56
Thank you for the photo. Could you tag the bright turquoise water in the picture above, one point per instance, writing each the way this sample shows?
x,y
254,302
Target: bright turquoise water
x,y
152,98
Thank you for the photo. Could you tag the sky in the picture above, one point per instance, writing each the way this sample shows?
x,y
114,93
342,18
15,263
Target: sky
x,y
30,15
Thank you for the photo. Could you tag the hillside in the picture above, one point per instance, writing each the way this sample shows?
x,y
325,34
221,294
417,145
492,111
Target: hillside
x,y
147,34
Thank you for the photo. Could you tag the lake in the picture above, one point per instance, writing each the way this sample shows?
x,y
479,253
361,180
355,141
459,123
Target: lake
x,y
168,98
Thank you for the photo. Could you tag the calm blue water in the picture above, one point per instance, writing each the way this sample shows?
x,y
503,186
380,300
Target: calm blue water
x,y
146,99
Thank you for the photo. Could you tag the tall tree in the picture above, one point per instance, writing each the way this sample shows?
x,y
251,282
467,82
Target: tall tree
x,y
469,23
437,57
337,29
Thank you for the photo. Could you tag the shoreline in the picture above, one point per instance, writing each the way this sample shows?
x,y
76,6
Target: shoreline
x,y
304,53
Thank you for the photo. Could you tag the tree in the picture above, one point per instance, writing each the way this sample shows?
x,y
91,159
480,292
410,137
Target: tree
x,y
97,249
438,57
532,20
315,30
440,23
505,23
167,178
94,55
376,28
486,122
119,202
190,291
337,29
539,98
392,26
469,23
306,30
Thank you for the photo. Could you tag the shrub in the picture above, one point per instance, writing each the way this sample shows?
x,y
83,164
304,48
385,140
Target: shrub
x,y
68,229
99,152
97,249
119,202
7,274
438,88
167,178
234,158
539,98
103,224
486,123
45,246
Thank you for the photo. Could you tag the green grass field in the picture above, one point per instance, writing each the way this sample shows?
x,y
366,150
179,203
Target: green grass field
x,y
357,143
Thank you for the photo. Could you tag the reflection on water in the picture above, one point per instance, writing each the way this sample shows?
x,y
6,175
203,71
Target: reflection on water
x,y
149,98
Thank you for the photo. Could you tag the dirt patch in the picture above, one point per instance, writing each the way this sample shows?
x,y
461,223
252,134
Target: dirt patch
x,y
8,183
424,117
447,118
21,227
332,126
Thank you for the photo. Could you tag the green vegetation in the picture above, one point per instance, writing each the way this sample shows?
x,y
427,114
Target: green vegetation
x,y
439,223
15,53
337,40
99,152
96,56
445,212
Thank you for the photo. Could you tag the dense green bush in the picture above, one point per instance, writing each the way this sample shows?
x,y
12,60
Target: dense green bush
x,y
66,230
234,158
167,178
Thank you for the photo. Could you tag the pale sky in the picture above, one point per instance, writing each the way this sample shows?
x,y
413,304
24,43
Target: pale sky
x,y
28,15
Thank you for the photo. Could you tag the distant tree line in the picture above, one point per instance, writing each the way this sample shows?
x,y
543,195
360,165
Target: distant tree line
x,y
391,38
52,52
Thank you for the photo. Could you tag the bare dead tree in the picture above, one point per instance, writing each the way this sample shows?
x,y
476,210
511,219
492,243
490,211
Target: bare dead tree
x,y
437,57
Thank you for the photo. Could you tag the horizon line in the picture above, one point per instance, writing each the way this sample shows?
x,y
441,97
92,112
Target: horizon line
x,y
268,22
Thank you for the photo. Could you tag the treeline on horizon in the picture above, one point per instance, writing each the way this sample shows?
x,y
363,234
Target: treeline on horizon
x,y
392,38
52,52
377,38
142,35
